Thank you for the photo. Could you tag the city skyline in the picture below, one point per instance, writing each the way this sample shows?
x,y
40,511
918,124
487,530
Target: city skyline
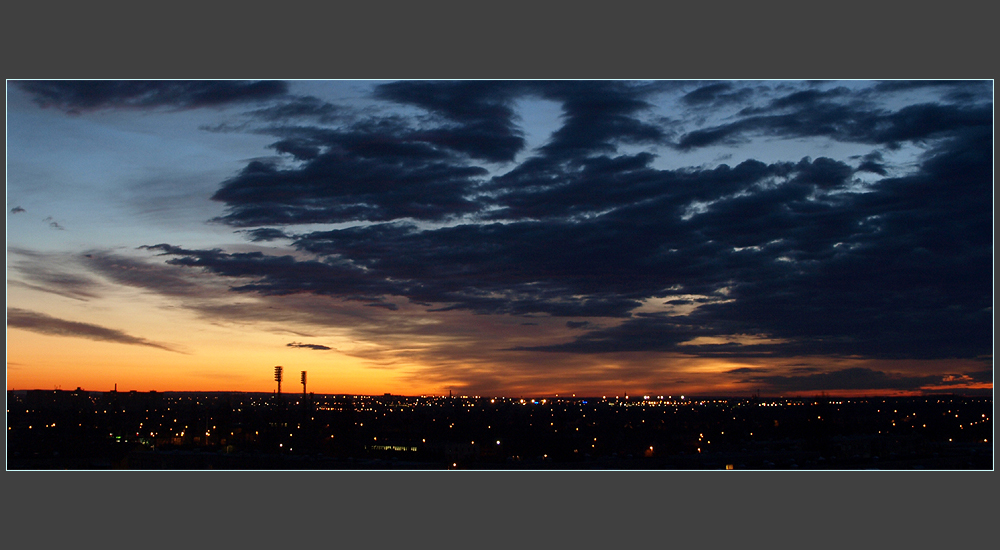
x,y
501,238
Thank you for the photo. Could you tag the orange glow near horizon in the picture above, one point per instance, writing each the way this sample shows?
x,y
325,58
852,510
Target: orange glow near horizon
x,y
398,352
38,361
245,367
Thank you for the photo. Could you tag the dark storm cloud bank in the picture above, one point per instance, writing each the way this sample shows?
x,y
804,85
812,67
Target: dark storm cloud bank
x,y
799,252
44,324
75,96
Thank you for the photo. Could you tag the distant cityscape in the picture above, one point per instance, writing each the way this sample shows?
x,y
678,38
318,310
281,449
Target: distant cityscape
x,y
87,430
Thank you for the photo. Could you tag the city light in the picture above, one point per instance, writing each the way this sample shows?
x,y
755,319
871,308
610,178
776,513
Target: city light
x,y
380,433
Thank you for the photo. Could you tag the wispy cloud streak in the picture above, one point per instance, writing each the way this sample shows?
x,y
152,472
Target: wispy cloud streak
x,y
45,324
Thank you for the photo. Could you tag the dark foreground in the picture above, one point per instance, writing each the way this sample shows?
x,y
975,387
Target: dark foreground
x,y
241,431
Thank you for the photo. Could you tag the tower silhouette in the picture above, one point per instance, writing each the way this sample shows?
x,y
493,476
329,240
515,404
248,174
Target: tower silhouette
x,y
277,377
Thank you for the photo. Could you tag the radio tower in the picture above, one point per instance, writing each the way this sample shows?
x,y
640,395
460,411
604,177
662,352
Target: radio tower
x,y
277,377
303,384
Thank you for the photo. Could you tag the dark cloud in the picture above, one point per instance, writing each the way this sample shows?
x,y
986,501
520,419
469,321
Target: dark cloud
x,y
44,324
804,370
300,108
52,273
858,378
202,293
897,85
803,98
17,210
123,270
264,234
746,370
706,94
482,112
282,275
388,167
55,289
376,178
981,376
53,224
975,377
75,96
798,257
623,187
598,116
515,268
823,173
717,94
901,271
904,268
646,333
872,162
317,347
953,90
814,113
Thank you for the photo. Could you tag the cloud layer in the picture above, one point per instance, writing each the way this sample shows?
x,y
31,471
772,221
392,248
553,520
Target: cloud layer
x,y
45,324
876,246
800,251
76,96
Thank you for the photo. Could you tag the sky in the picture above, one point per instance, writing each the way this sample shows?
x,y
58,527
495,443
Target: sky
x,y
501,237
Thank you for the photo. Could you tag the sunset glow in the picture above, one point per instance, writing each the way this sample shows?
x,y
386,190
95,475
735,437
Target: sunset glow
x,y
501,238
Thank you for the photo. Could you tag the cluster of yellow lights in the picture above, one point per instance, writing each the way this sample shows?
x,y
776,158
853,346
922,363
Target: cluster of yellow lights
x,y
393,448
